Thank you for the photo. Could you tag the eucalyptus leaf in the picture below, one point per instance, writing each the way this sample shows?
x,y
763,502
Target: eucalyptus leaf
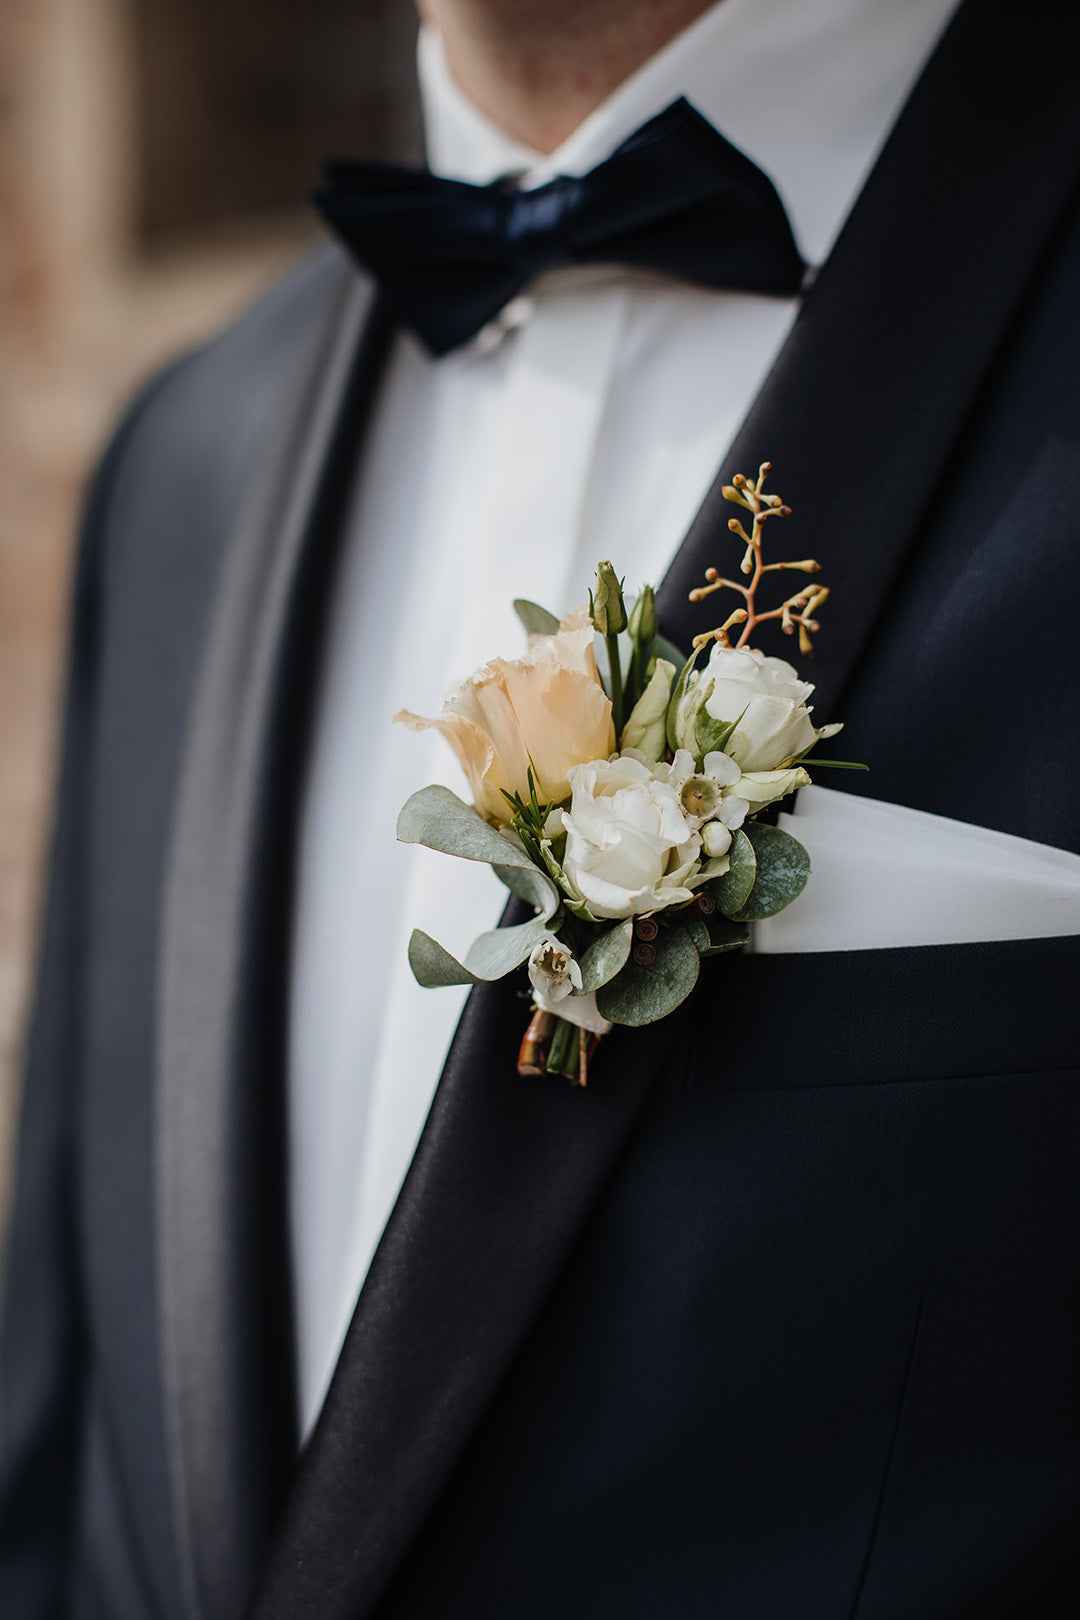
x,y
723,935
532,885
432,964
440,820
537,620
606,956
732,890
494,954
642,993
783,867
694,923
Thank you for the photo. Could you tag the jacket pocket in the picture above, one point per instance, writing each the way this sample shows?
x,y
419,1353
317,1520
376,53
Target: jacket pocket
x,y
842,1018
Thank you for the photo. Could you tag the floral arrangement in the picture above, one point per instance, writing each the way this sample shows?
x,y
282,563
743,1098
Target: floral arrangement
x,y
625,811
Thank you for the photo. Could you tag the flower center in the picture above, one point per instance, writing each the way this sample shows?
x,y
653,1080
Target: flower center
x,y
554,961
699,796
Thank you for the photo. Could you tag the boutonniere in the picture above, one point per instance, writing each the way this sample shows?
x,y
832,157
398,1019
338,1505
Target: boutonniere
x,y
625,809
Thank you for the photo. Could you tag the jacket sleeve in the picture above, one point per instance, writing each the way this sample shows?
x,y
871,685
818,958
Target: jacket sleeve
x,y
42,1331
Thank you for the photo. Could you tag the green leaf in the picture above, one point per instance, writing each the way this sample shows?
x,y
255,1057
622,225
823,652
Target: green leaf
x,y
433,966
641,994
834,764
489,957
557,874
606,956
723,935
493,955
712,736
676,695
537,620
532,885
732,890
694,923
438,819
783,867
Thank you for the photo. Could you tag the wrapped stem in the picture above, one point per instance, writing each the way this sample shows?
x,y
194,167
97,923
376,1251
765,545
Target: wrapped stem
x,y
553,1045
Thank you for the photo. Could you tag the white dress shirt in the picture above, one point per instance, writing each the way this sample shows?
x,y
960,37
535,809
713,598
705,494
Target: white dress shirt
x,y
587,422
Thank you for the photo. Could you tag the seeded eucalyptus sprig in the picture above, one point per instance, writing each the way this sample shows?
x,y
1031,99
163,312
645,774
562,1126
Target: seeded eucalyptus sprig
x,y
798,611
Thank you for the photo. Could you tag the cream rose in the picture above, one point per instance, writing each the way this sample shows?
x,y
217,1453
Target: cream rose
x,y
767,698
629,848
547,711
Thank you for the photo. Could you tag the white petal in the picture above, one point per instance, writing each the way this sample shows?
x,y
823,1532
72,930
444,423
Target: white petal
x,y
723,767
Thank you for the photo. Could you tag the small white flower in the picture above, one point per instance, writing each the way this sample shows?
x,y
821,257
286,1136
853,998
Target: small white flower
x,y
630,850
701,793
553,972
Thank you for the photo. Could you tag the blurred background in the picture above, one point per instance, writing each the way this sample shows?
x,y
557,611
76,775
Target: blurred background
x,y
154,160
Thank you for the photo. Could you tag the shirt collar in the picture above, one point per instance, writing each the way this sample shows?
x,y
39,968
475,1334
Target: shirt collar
x,y
808,91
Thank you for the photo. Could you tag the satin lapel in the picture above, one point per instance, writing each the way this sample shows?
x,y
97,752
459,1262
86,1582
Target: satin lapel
x,y
874,386
225,1300
504,1177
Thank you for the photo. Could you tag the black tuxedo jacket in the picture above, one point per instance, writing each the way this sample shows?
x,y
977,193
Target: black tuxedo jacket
x,y
781,1317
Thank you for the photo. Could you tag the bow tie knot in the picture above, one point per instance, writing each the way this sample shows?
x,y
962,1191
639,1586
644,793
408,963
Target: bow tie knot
x,y
676,198
541,221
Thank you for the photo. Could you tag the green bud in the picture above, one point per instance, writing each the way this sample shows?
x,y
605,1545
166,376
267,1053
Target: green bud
x,y
645,728
690,703
607,605
643,619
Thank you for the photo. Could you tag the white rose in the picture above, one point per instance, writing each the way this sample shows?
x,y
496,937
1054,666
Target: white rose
x,y
629,847
767,693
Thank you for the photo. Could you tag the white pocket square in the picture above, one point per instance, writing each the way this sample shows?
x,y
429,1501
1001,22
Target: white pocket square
x,y
886,876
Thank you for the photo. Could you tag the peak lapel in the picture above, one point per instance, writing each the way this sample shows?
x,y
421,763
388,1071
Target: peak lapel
x,y
503,1179
224,1294
883,366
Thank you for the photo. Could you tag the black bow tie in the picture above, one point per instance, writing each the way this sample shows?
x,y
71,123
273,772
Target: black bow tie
x,y
676,197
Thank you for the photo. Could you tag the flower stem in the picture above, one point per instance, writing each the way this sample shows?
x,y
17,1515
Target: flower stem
x,y
564,1053
554,1045
616,685
533,1056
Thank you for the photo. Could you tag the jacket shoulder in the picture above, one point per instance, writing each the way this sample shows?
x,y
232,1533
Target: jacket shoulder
x,y
203,405
181,455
